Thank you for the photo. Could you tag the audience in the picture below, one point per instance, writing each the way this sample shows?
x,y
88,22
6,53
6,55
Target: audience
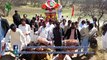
x,y
50,32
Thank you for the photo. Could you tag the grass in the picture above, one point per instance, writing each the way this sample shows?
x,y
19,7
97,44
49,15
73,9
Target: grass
x,y
31,11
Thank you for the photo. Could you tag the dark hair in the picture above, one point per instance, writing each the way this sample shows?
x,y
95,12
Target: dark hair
x,y
69,21
88,22
83,22
64,20
76,22
33,18
16,11
12,26
91,26
104,29
23,20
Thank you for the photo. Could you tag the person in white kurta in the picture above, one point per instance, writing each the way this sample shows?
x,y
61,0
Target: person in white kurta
x,y
25,28
15,37
50,27
104,41
104,37
43,32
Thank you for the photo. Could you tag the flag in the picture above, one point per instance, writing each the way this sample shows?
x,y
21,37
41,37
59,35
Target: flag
x,y
8,6
56,1
72,13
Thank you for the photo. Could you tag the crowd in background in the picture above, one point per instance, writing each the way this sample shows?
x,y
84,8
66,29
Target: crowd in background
x,y
23,31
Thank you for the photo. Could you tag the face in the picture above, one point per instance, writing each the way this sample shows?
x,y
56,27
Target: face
x,y
69,22
58,25
73,25
14,29
23,22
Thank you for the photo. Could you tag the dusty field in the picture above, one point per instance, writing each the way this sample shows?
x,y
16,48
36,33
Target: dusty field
x,y
100,55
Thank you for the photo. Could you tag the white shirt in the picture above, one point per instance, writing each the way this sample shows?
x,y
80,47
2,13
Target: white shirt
x,y
62,25
25,29
43,32
82,26
15,38
93,31
104,41
50,30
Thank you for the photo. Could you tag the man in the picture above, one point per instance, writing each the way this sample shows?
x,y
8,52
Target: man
x,y
25,28
50,27
82,25
58,34
63,23
17,37
26,19
94,21
43,31
73,33
67,27
16,18
41,21
4,26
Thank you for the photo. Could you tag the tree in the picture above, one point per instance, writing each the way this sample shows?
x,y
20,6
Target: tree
x,y
5,7
94,8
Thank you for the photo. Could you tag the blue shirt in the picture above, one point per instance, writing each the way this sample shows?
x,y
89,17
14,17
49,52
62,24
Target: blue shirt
x,y
1,32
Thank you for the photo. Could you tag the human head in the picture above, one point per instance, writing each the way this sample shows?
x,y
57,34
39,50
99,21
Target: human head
x,y
23,21
73,25
13,27
24,15
62,16
64,21
83,22
69,22
104,29
76,24
41,19
57,24
88,22
33,22
16,11
33,18
90,26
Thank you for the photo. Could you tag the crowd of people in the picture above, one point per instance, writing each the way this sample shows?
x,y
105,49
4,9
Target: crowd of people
x,y
51,32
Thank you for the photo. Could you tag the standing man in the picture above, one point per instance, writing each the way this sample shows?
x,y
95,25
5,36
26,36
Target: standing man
x,y
17,37
16,18
4,26
26,19
58,34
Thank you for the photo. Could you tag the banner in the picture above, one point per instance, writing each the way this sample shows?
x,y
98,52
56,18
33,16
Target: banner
x,y
72,13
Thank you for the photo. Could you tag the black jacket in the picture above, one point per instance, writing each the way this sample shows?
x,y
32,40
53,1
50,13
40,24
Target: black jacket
x,y
16,19
76,36
5,25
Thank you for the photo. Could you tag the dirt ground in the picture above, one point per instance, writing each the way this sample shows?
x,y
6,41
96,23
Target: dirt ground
x,y
100,54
